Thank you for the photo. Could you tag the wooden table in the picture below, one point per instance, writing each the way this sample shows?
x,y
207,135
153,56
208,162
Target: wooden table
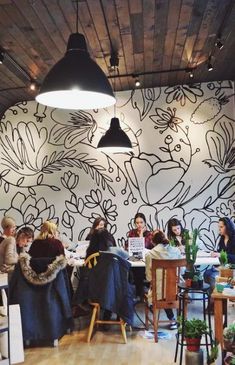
x,y
218,314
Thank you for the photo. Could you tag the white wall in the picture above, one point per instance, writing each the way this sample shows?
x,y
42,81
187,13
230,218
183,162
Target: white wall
x,y
182,165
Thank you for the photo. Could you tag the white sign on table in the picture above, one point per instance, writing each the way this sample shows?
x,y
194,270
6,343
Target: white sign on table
x,y
136,247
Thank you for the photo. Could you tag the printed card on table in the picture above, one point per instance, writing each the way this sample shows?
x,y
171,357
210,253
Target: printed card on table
x,y
136,247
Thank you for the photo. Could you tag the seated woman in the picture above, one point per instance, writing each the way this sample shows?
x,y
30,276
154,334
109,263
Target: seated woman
x,y
100,223
175,233
141,230
24,237
226,243
101,240
163,251
8,253
47,244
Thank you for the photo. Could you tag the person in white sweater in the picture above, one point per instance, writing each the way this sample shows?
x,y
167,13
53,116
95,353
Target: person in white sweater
x,y
8,253
163,251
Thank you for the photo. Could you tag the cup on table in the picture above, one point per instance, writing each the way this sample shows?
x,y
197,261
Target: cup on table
x,y
219,287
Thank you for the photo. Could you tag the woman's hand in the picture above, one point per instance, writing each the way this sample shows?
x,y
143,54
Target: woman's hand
x,y
215,254
141,231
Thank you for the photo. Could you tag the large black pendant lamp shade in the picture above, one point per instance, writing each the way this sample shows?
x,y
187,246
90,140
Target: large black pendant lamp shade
x,y
115,139
76,81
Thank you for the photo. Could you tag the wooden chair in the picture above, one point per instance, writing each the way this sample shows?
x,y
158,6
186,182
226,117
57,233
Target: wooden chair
x,y
170,272
90,262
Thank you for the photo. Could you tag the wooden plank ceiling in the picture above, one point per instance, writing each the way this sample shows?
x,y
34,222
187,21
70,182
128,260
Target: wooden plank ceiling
x,y
148,35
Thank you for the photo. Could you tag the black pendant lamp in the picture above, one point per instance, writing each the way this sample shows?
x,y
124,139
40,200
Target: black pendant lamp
x,y
115,139
76,81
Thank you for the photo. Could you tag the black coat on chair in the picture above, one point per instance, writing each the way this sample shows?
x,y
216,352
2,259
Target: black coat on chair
x,y
41,288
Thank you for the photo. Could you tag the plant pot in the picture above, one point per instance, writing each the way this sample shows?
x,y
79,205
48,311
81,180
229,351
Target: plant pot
x,y
229,345
195,358
193,344
225,272
188,283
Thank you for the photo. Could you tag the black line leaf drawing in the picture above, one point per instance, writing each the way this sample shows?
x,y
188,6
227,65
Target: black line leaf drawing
x,y
225,189
67,220
143,100
182,93
22,146
221,145
69,133
20,181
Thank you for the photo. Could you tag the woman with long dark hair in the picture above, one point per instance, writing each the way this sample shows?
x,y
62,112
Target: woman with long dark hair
x,y
176,232
227,244
99,223
141,230
227,239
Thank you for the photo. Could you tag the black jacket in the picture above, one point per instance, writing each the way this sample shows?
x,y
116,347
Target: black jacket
x,y
107,284
42,292
229,248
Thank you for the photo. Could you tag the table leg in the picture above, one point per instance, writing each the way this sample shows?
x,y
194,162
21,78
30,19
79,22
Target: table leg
x,y
218,318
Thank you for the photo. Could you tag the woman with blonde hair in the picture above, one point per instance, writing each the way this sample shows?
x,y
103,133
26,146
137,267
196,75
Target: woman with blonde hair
x,y
8,253
47,244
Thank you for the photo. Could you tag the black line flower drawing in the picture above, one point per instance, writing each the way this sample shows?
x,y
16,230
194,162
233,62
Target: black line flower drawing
x,y
110,210
69,180
182,93
221,145
152,186
29,211
165,119
69,133
94,199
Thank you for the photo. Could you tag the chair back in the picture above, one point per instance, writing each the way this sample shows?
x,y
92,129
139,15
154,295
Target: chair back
x,y
165,279
91,260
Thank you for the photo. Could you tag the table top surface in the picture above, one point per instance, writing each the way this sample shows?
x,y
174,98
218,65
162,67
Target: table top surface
x,y
207,260
217,295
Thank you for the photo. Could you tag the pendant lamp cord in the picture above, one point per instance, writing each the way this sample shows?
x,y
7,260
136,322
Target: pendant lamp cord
x,y
114,91
77,16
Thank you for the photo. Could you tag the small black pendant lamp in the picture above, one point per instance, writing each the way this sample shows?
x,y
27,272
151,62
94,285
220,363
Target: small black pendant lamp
x,y
115,139
76,81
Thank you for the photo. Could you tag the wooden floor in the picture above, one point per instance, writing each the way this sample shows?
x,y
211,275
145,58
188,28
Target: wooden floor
x,y
106,348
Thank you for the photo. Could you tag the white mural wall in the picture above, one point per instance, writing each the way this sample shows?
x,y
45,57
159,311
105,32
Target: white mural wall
x,y
183,162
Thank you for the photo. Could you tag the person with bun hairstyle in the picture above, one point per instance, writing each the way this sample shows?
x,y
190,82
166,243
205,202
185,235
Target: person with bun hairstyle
x,y
162,250
47,244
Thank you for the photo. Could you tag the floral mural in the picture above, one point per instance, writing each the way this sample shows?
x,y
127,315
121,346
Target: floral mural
x,y
182,165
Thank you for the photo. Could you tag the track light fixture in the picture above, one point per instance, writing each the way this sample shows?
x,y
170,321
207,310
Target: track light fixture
x,y
209,65
33,85
137,81
219,44
1,57
190,72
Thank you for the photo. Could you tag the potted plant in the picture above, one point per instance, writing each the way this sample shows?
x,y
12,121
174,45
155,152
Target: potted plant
x,y
197,281
224,269
193,331
213,353
229,338
191,250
